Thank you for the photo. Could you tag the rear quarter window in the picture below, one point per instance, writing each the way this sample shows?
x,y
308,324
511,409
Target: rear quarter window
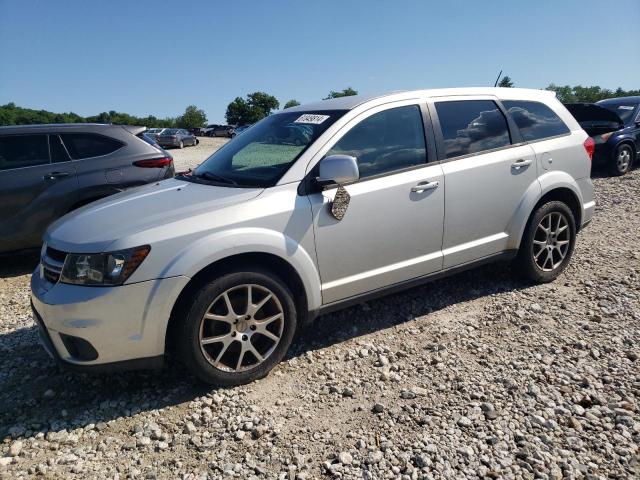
x,y
17,151
535,120
88,145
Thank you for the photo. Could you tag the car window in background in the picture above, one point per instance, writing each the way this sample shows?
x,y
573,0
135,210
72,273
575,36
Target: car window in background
x,y
87,145
17,151
58,153
623,110
386,141
535,120
149,139
170,131
472,126
264,153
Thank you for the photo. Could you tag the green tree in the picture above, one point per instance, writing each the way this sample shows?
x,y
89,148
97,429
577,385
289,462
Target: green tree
x,y
291,103
578,93
255,107
193,117
347,92
506,82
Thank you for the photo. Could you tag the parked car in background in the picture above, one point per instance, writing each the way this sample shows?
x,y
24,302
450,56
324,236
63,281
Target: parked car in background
x,y
154,131
208,130
614,124
47,171
176,137
195,131
223,131
386,192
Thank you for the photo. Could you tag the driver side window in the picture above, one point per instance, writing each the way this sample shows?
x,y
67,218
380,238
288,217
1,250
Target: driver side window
x,y
386,141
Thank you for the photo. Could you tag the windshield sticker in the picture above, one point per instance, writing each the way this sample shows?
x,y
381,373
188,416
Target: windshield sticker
x,y
625,107
310,118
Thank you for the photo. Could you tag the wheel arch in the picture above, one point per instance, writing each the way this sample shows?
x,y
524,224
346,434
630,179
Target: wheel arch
x,y
250,260
553,187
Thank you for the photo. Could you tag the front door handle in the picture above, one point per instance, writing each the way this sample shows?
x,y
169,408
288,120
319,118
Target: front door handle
x,y
426,185
54,175
521,163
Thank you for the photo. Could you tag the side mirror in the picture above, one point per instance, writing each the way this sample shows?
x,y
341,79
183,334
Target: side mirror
x,y
338,169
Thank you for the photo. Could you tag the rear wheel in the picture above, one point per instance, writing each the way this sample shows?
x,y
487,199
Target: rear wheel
x,y
623,159
238,328
181,144
547,244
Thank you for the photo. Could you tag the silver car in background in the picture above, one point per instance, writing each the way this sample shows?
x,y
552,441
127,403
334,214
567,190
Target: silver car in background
x,y
176,137
313,209
47,171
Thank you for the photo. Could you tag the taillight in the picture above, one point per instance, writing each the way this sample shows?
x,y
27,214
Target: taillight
x,y
589,146
154,162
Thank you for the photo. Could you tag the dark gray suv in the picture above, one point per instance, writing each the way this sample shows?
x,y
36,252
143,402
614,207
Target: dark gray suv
x,y
49,170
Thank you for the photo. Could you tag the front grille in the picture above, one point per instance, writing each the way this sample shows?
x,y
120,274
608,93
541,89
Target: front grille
x,y
52,263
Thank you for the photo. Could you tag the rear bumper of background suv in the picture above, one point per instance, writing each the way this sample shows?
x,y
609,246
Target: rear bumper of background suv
x,y
104,328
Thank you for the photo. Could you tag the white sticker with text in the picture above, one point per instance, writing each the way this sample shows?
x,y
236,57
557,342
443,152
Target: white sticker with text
x,y
311,118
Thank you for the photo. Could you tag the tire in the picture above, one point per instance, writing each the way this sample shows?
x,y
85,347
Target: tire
x,y
216,362
196,142
532,251
181,145
622,160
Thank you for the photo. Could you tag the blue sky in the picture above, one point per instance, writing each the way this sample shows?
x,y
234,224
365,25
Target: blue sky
x,y
157,57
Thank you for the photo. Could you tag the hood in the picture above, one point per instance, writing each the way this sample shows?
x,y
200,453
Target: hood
x,y
595,119
91,229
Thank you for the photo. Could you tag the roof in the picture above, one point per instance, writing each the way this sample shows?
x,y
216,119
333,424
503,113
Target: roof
x,y
44,127
351,102
635,99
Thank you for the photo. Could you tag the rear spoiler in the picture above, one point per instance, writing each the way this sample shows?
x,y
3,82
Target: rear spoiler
x,y
134,130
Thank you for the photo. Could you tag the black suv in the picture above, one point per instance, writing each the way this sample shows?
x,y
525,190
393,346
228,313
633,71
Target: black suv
x,y
49,170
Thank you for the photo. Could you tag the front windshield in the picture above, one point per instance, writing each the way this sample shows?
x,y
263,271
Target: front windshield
x,y
263,153
623,110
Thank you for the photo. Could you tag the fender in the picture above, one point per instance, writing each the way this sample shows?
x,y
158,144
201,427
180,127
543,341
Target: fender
x,y
220,245
548,181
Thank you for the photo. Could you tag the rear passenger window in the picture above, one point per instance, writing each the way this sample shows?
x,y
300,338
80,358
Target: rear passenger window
x,y
58,153
535,120
17,151
87,145
386,141
472,126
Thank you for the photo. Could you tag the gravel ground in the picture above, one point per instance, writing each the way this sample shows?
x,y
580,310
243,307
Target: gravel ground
x,y
191,157
473,376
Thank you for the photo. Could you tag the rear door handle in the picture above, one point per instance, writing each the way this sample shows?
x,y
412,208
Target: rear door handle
x,y
521,163
426,185
54,175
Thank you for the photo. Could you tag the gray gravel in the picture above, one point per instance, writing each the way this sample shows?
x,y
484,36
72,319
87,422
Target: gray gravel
x,y
473,376
191,157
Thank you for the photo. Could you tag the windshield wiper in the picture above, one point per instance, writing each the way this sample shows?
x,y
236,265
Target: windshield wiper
x,y
215,177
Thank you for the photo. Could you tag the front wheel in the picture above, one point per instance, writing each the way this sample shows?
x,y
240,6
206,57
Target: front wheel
x,y
623,159
547,244
238,328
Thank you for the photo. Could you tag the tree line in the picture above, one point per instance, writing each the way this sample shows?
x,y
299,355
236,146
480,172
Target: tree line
x,y
11,114
254,107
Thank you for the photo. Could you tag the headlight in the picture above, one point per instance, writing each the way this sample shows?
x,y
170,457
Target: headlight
x,y
104,269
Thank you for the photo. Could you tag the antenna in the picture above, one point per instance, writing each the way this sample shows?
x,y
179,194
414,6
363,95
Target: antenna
x,y
499,75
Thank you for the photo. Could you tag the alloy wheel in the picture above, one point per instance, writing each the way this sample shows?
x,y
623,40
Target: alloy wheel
x,y
241,328
551,241
623,160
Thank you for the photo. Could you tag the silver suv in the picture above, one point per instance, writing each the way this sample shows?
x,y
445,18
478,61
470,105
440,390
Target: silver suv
x,y
312,209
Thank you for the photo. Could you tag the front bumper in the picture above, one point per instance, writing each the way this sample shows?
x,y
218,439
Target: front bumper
x,y
105,328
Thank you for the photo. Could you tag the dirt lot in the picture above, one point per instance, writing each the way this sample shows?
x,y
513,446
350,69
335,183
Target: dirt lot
x,y
474,376
191,157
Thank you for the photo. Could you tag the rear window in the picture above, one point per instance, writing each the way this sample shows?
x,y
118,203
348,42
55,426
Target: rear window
x,y
17,151
87,145
472,126
535,120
